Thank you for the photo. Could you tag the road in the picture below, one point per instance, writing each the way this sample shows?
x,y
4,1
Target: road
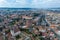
x,y
56,34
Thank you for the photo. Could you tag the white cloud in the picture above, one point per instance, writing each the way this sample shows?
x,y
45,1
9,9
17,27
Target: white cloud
x,y
45,3
33,3
17,3
21,2
2,1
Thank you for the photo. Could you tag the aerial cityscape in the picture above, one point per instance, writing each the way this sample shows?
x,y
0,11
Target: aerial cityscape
x,y
29,24
29,19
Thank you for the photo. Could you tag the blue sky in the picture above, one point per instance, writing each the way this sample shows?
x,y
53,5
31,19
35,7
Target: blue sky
x,y
30,3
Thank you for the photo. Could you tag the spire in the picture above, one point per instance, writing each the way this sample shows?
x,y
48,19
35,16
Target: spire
x,y
4,35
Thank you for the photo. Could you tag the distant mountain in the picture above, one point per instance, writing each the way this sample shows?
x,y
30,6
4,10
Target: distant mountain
x,y
17,8
54,10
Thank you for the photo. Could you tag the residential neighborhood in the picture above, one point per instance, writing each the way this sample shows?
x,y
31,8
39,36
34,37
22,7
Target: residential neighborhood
x,y
29,25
